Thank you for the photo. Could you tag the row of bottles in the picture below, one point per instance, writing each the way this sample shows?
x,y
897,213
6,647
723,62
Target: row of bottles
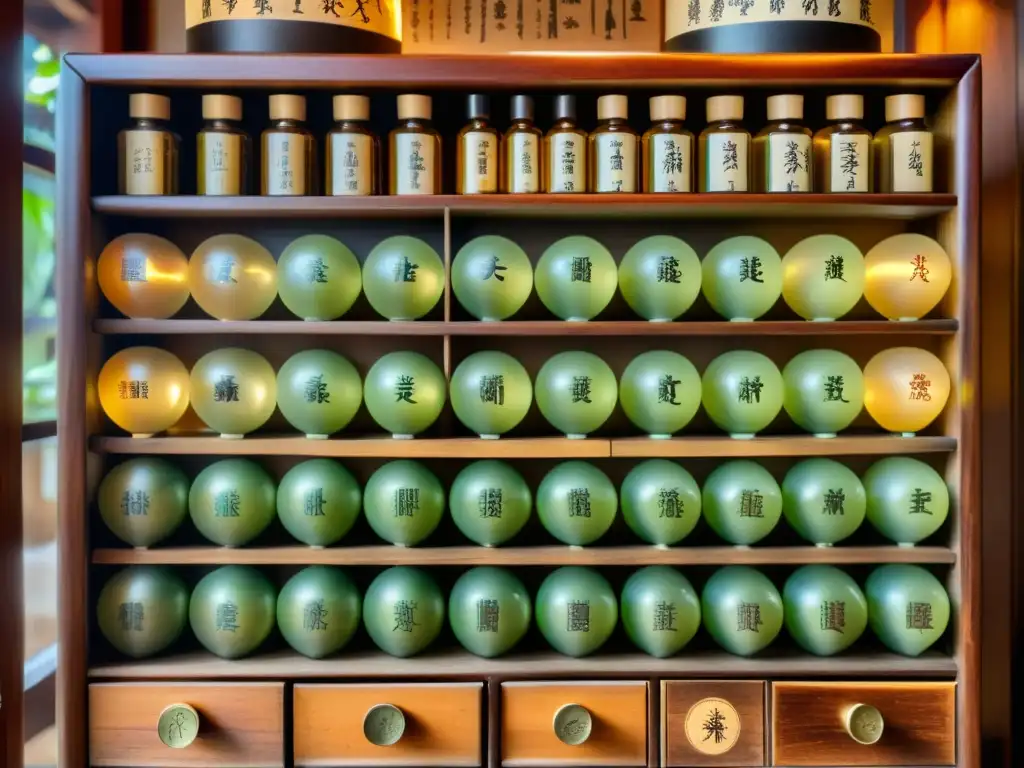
x,y
784,156
231,502
145,390
233,610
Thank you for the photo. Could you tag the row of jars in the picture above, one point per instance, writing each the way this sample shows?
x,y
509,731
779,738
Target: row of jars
x,y
567,159
145,390
233,277
234,609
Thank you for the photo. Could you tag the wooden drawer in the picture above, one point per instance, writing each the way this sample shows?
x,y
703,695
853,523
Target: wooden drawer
x,y
618,723
809,724
239,724
442,724
712,722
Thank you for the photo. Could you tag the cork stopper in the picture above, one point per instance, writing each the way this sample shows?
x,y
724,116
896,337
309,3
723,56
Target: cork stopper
x,y
348,107
787,106
411,105
846,106
217,106
149,105
904,106
287,107
724,108
668,108
609,107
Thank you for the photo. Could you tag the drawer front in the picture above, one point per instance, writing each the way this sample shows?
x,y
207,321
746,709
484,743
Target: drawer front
x,y
238,724
617,723
810,724
441,724
712,722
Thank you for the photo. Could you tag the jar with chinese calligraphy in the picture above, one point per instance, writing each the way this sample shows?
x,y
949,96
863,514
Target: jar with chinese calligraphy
x,y
908,500
143,500
491,393
405,393
823,501
826,611
353,150
577,503
318,277
403,502
660,277
232,501
576,278
902,150
233,610
318,392
576,610
742,609
142,610
741,278
318,611
234,391
489,610
223,149
660,502
318,502
908,607
403,611
660,610
742,502
143,390
489,502
742,392
824,391
660,392
289,149
403,278
576,392
143,275
148,148
492,277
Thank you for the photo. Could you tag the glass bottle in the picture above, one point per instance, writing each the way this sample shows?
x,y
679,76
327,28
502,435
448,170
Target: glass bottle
x,y
223,149
147,149
668,147
613,147
782,149
565,150
415,149
902,149
477,150
521,167
352,149
842,149
289,149
724,147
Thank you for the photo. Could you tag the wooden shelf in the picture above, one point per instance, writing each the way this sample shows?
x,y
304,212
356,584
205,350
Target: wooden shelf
x,y
553,556
458,663
797,445
118,326
625,206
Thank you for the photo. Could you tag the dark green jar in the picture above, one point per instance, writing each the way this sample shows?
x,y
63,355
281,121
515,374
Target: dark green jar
x,y
318,611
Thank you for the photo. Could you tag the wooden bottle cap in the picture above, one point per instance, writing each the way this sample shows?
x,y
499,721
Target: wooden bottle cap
x,y
724,108
143,105
668,108
609,107
287,107
786,106
846,106
904,106
217,106
413,105
348,107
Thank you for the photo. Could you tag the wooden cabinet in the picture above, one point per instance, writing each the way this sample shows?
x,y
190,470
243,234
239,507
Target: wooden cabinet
x,y
712,722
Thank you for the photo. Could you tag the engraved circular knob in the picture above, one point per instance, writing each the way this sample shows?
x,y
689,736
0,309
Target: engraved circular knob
x,y
384,725
573,724
864,723
178,726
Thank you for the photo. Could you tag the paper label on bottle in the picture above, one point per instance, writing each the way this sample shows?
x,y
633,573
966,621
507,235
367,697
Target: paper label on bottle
x,y
849,163
479,163
144,162
414,163
222,163
523,163
911,161
789,162
351,164
726,162
568,171
285,163
616,162
671,155
384,17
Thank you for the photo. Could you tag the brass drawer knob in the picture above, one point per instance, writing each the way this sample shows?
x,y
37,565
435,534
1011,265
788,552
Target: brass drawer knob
x,y
864,723
573,724
178,726
384,725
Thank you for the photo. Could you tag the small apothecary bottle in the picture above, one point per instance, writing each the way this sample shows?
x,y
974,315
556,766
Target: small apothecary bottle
x,y
565,150
724,147
289,149
148,149
668,147
415,149
477,150
222,148
902,149
521,169
352,149
782,149
842,149
613,148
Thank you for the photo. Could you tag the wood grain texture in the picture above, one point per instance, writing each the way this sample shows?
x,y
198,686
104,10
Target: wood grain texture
x,y
551,556
789,445
239,724
808,724
618,709
679,697
442,724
